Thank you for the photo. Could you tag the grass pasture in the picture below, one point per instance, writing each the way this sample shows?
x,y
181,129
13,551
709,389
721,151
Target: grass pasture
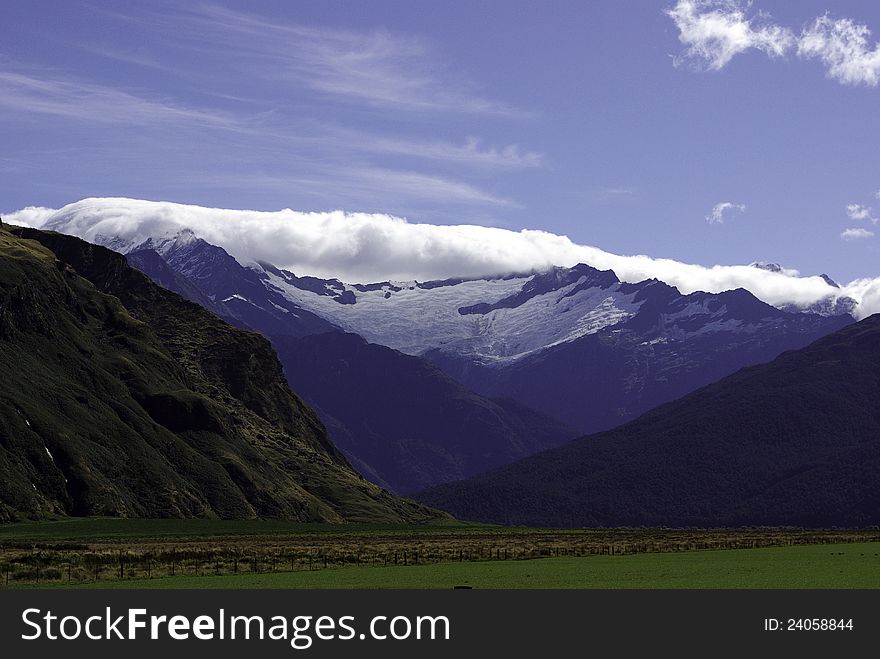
x,y
110,553
798,566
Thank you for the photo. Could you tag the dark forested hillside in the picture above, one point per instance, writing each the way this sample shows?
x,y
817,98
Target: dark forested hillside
x,y
404,422
792,442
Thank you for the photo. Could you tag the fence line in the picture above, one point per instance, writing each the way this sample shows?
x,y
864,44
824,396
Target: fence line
x,y
82,565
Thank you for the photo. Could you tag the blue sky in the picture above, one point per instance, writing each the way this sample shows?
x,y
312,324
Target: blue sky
x,y
589,119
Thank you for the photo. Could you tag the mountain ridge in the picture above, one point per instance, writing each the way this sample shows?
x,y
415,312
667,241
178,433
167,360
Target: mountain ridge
x,y
394,447
572,343
789,442
153,407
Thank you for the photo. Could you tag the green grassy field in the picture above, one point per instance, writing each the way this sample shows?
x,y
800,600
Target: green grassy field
x,y
131,553
809,566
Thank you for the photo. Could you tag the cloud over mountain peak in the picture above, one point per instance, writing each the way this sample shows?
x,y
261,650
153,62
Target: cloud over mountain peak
x,y
366,247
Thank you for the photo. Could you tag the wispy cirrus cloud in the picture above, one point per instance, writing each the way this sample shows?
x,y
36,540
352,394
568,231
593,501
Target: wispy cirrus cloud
x,y
377,68
618,191
608,194
856,234
334,173
137,56
716,31
356,185
46,92
471,152
285,124
716,215
424,186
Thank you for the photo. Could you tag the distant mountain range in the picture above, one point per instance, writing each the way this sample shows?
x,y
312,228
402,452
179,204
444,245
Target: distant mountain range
x,y
528,360
572,343
401,421
121,398
792,442
668,346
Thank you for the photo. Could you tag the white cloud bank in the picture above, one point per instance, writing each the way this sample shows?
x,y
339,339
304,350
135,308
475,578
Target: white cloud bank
x,y
363,247
32,216
715,31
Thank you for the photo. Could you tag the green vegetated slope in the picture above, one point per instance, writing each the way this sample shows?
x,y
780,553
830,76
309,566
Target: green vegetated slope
x,y
120,398
807,566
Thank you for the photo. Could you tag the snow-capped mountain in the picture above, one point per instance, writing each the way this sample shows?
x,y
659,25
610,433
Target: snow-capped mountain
x,y
769,267
496,319
829,306
672,345
501,319
575,343
233,292
492,322
435,431
496,322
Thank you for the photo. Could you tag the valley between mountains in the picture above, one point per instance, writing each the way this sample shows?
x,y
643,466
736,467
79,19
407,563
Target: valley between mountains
x,y
554,398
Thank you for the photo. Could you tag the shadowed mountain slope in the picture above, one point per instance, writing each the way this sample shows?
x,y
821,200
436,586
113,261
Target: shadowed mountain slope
x,y
792,442
402,420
